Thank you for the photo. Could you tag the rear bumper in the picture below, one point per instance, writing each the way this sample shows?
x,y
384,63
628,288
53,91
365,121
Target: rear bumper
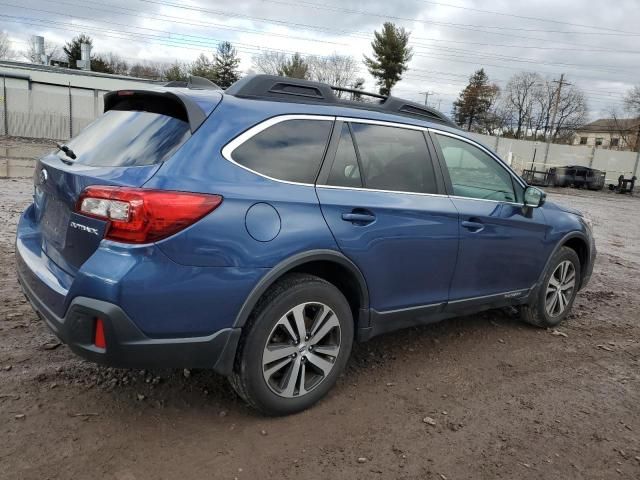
x,y
127,346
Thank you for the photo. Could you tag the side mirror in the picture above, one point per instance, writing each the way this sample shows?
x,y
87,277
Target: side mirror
x,y
534,197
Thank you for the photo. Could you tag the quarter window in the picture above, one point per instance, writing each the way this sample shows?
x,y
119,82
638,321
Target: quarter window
x,y
473,173
291,150
394,159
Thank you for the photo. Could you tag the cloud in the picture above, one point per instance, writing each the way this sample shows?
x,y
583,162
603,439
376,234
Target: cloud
x,y
451,38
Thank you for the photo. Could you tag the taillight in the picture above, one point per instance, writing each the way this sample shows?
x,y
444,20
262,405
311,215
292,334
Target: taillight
x,y
138,215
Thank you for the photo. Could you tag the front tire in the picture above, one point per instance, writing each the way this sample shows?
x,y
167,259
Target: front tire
x,y
295,345
557,291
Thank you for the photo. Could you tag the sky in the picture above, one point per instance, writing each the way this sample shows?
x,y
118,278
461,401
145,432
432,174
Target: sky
x,y
594,43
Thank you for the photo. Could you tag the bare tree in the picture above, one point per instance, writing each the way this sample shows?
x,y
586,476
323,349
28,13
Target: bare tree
x,y
572,113
493,120
543,98
151,70
621,127
269,62
519,99
116,63
358,85
51,51
632,101
5,47
337,70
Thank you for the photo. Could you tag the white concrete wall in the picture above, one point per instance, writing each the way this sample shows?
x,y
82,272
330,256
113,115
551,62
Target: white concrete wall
x,y
523,152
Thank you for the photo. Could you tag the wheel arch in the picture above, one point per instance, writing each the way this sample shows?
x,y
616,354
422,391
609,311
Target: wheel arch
x,y
578,242
330,265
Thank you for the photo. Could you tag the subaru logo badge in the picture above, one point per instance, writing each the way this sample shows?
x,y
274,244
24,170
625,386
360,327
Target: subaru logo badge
x,y
43,176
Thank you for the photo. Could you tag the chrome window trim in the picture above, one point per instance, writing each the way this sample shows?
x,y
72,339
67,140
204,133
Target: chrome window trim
x,y
385,123
227,150
487,200
360,189
382,123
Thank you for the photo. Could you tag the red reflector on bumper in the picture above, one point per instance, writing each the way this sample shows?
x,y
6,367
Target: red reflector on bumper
x,y
98,338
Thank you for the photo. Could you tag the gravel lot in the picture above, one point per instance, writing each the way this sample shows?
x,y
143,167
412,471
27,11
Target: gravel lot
x,y
507,400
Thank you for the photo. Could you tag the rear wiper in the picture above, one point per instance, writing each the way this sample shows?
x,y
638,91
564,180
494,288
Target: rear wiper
x,y
67,151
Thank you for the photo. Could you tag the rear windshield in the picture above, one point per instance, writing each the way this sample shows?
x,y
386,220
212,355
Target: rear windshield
x,y
127,138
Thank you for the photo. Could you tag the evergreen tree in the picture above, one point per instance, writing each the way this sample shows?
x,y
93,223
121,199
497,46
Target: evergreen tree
x,y
176,72
295,67
391,53
475,101
225,65
101,64
202,67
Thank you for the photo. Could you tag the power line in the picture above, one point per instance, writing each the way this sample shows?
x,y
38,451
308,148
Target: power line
x,y
523,17
206,41
182,41
346,32
179,20
321,6
63,14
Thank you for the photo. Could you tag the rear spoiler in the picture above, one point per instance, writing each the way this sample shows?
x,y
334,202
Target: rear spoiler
x,y
180,104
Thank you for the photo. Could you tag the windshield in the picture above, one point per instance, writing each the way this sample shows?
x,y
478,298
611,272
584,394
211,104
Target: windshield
x,y
128,138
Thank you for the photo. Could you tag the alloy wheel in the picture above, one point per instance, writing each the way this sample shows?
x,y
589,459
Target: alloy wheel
x,y
301,349
560,288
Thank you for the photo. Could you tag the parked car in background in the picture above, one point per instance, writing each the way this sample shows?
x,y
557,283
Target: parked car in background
x,y
261,231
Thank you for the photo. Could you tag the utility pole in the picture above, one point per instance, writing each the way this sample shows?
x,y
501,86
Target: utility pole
x,y
426,96
556,105
635,167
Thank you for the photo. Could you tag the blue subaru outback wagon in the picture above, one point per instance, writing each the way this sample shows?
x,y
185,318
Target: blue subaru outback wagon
x,y
261,231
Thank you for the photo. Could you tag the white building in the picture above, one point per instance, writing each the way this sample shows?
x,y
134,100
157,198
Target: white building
x,y
611,133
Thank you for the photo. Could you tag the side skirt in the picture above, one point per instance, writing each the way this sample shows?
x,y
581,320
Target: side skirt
x,y
390,320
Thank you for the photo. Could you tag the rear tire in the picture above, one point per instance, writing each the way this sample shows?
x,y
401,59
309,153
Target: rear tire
x,y
294,346
557,291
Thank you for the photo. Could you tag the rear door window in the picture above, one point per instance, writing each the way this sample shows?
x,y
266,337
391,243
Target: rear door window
x,y
393,158
291,150
129,138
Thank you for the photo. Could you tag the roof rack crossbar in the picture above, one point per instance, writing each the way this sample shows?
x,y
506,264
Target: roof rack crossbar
x,y
358,92
275,88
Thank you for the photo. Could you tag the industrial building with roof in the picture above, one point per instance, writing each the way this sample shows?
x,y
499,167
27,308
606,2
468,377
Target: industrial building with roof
x,y
44,101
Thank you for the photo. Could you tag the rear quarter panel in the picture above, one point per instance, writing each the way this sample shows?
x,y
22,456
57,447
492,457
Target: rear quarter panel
x,y
221,238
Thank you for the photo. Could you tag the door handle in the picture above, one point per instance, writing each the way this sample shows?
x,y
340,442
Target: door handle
x,y
361,218
473,226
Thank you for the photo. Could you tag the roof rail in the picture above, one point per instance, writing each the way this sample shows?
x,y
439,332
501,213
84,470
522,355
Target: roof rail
x,y
194,83
272,87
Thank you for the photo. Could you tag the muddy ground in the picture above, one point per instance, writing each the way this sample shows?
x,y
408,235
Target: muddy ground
x,y
509,401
